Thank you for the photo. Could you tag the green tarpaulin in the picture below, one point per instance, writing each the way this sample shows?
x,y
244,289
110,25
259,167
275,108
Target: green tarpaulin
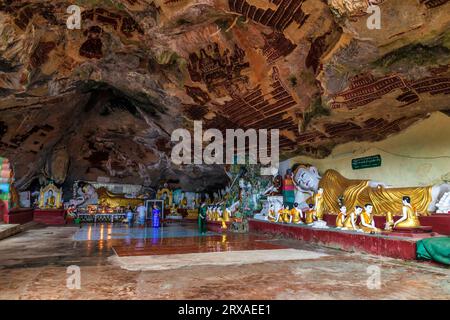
x,y
437,249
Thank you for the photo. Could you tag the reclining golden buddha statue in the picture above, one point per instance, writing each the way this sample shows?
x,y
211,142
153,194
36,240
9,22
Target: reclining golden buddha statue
x,y
112,200
360,192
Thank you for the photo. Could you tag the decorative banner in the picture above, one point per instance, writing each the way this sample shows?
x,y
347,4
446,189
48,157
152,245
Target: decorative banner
x,y
366,162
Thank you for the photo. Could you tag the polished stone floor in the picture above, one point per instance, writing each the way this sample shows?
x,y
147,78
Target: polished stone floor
x,y
175,262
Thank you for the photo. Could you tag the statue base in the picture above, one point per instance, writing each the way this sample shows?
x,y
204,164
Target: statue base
x,y
422,229
388,244
50,216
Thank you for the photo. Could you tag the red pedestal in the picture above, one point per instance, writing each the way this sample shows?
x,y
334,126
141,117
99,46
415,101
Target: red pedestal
x,y
50,216
18,216
382,245
440,223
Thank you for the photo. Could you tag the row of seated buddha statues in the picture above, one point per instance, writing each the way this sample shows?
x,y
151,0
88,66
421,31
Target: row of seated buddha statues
x,y
348,221
219,213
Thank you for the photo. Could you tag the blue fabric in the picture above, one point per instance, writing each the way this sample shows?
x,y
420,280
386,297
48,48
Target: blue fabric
x,y
156,213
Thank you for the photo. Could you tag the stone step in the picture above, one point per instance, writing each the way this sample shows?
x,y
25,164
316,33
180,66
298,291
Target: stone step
x,y
8,230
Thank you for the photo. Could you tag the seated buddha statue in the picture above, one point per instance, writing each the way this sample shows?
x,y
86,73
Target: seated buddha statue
x,y
280,215
272,216
296,214
367,223
342,215
51,200
409,218
287,215
310,215
227,215
350,221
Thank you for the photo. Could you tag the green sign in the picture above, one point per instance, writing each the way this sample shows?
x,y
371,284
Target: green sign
x,y
366,162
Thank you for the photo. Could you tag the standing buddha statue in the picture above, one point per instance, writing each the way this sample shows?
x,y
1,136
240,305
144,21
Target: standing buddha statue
x,y
319,204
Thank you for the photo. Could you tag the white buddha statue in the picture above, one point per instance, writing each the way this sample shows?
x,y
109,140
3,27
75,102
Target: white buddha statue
x,y
443,206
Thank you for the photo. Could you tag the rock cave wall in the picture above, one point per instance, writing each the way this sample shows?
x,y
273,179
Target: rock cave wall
x,y
102,101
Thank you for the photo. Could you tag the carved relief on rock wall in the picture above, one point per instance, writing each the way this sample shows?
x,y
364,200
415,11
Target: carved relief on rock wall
x,y
433,3
276,46
220,71
286,12
125,24
365,89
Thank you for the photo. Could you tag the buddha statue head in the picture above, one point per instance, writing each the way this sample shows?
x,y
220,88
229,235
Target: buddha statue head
x,y
343,209
369,208
307,178
406,201
358,210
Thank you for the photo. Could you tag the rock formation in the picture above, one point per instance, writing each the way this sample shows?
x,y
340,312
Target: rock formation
x,y
102,101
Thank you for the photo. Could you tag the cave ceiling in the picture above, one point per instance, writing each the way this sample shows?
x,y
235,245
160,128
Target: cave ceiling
x,y
102,101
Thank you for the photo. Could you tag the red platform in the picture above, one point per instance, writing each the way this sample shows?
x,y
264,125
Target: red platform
x,y
440,223
18,216
50,216
377,244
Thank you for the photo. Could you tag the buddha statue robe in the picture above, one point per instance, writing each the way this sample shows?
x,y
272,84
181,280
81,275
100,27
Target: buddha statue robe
x,y
295,214
350,221
226,215
51,201
319,205
309,216
286,216
271,217
368,219
340,220
280,217
412,220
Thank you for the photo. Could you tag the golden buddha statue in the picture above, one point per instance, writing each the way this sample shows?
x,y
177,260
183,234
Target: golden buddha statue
x,y
318,204
51,200
310,215
296,214
410,217
280,216
226,215
367,223
109,199
286,215
342,215
350,221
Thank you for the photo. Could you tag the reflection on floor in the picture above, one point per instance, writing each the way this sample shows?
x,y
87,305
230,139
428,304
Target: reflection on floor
x,y
164,246
177,238
108,231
